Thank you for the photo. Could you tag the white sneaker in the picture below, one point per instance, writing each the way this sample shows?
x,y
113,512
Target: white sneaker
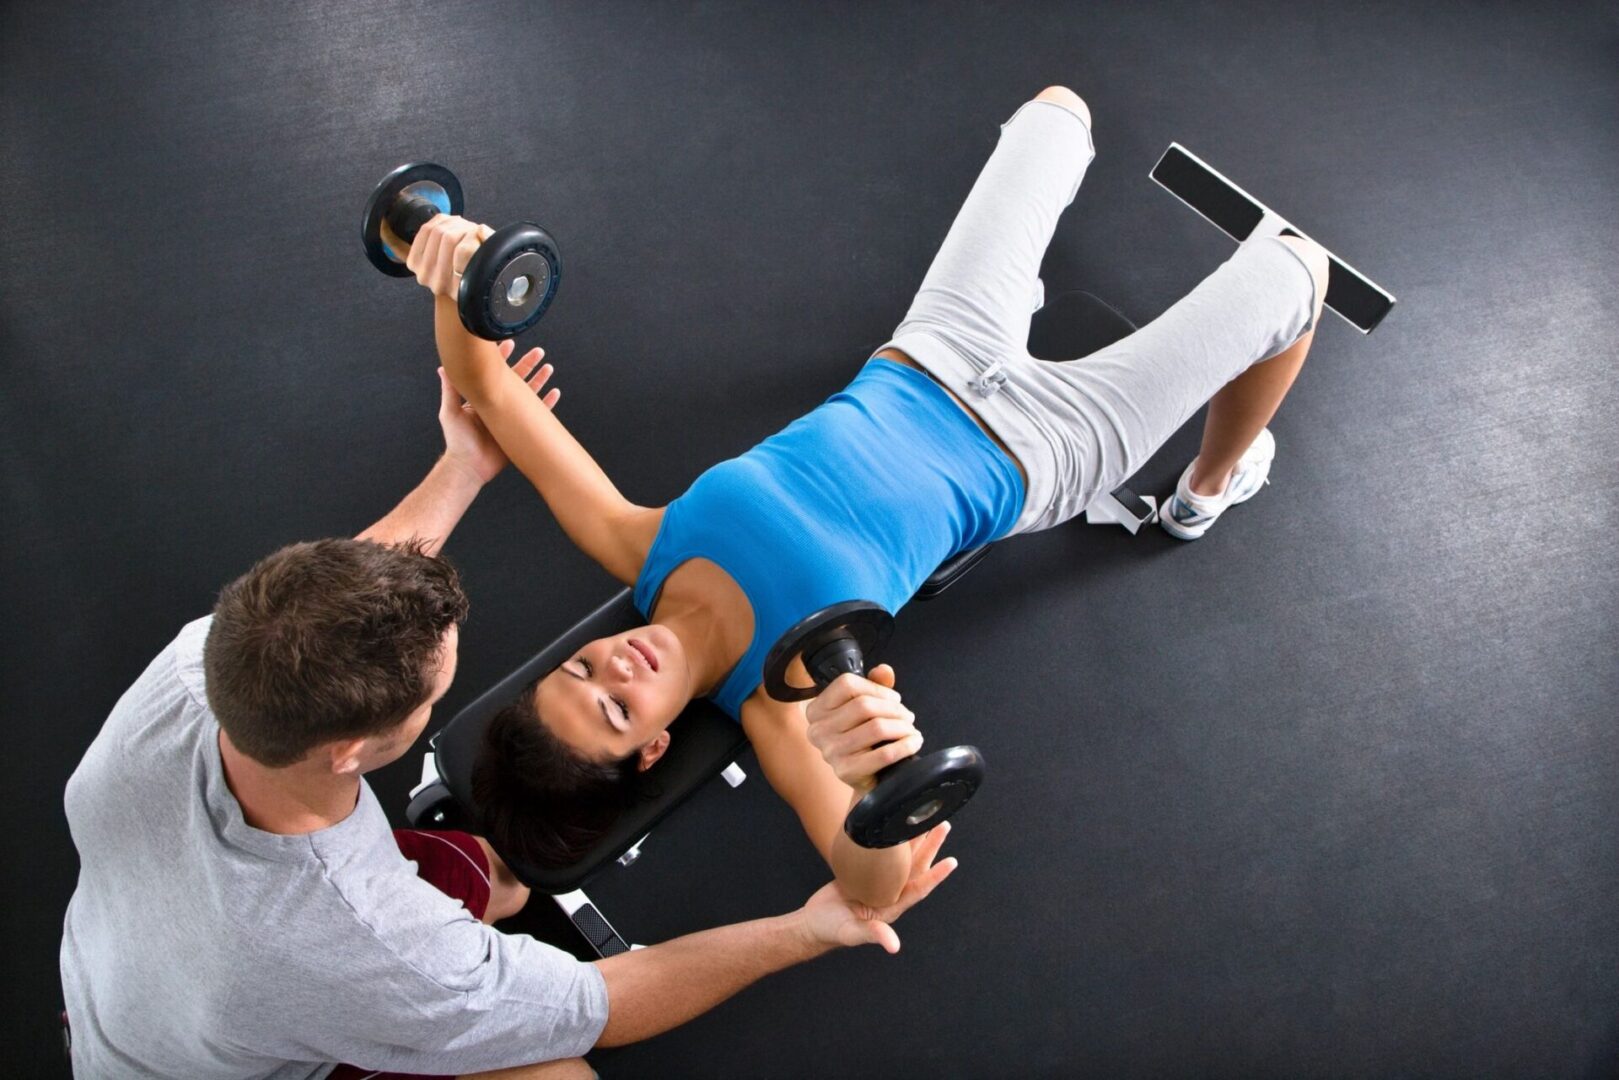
x,y
1188,516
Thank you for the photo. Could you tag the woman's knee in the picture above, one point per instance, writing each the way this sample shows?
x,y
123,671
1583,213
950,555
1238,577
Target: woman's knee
x,y
1314,256
507,895
1061,95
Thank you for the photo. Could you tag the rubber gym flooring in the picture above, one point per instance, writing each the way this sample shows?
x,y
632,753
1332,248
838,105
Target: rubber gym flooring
x,y
1329,793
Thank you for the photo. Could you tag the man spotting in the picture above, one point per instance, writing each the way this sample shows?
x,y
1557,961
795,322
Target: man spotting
x,y
243,908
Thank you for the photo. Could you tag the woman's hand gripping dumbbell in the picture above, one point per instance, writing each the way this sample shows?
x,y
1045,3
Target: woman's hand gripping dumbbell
x,y
508,277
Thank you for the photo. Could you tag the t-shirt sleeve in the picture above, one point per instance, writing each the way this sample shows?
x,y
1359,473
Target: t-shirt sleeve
x,y
439,992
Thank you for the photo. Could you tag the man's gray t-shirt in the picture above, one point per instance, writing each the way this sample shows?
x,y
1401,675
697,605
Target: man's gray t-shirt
x,y
199,946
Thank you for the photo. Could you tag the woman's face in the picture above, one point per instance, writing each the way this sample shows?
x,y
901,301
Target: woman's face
x,y
616,694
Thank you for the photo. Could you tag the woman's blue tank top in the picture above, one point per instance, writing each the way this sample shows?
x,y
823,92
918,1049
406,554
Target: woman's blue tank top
x,y
861,499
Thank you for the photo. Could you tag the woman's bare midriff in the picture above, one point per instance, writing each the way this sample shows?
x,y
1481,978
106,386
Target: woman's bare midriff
x,y
900,358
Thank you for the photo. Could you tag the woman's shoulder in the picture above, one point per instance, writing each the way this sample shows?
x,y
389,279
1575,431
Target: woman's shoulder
x,y
639,529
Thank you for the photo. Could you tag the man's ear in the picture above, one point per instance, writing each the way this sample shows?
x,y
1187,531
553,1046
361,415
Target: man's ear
x,y
652,751
346,755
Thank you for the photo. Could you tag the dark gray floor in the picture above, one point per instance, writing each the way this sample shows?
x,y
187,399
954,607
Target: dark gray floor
x,y
1330,793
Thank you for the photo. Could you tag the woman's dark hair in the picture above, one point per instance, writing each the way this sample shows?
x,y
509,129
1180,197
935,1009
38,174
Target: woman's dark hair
x,y
540,801
335,639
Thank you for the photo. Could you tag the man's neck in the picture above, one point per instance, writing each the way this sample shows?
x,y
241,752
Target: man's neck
x,y
298,799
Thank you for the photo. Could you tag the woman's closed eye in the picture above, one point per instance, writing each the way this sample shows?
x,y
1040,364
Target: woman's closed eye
x,y
590,670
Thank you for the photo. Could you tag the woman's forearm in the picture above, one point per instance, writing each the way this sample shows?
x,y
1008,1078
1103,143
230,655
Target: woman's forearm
x,y
473,364
585,502
872,876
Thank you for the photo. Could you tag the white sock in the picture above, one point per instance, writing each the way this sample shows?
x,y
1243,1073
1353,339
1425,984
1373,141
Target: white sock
x,y
1207,501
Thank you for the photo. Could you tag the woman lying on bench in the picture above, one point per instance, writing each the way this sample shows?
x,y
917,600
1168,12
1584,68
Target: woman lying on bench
x,y
950,437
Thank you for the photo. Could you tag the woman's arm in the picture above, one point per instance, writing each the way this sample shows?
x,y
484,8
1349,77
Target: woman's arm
x,y
588,506
597,518
470,460
801,775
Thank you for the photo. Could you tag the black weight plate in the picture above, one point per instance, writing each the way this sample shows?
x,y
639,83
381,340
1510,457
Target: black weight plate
x,y
869,624
432,182
484,301
910,788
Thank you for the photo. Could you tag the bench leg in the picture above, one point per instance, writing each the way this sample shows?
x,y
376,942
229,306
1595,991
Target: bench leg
x,y
1121,506
592,923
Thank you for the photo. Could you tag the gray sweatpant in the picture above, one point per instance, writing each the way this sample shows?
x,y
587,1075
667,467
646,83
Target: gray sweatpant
x,y
1081,427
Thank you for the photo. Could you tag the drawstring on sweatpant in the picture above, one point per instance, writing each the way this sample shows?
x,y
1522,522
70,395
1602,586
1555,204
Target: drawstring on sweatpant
x,y
993,378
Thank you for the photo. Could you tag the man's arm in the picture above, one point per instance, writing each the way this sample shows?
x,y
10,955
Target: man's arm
x,y
471,459
652,990
430,512
569,1069
596,516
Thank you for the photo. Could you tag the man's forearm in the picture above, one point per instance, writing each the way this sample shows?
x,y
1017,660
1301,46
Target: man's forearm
x,y
652,990
431,511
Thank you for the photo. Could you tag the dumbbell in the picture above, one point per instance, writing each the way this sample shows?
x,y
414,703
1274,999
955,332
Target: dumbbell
x,y
913,794
509,281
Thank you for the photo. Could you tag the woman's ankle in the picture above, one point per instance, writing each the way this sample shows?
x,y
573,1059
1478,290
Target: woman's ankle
x,y
1206,485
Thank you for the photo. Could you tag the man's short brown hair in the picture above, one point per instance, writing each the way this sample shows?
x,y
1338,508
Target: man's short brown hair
x,y
335,639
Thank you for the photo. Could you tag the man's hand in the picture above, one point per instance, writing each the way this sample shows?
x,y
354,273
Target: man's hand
x,y
467,444
652,990
833,919
859,726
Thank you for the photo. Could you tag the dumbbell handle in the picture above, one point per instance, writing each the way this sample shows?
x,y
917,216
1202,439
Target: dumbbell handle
x,y
839,656
408,214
